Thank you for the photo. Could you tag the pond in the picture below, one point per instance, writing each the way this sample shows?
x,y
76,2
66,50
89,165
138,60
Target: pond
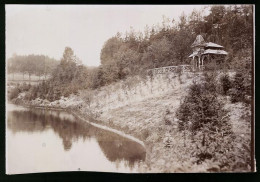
x,y
39,140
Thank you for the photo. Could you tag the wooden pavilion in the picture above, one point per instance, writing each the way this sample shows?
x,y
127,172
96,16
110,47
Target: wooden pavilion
x,y
206,52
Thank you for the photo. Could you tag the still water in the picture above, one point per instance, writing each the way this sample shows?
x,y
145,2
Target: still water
x,y
41,140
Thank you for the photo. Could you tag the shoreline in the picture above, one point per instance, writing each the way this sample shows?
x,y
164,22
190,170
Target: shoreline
x,y
147,129
86,119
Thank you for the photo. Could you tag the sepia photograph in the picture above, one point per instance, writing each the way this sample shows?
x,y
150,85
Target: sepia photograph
x,y
130,88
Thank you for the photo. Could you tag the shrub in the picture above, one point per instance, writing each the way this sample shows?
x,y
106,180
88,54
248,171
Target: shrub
x,y
209,82
211,66
167,117
87,96
200,108
225,84
14,93
242,60
18,89
203,116
25,87
248,82
238,91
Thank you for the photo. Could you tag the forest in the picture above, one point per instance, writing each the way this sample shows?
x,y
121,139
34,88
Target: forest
x,y
38,65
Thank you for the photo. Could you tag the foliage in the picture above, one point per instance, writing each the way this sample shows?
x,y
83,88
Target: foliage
x,y
202,115
232,26
169,44
242,61
67,78
238,90
87,96
14,92
225,83
159,45
110,48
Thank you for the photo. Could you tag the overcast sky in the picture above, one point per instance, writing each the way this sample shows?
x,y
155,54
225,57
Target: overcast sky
x,y
48,29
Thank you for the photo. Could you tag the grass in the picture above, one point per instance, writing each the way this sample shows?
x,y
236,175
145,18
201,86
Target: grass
x,y
144,117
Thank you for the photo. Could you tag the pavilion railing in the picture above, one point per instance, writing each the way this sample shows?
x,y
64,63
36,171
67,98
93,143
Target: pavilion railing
x,y
171,69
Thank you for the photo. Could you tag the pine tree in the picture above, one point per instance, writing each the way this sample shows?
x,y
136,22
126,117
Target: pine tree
x,y
204,117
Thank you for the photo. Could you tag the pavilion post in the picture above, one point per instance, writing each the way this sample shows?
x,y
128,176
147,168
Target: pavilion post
x,y
193,63
199,62
202,59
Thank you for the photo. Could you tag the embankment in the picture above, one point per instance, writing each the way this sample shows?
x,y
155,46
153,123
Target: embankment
x,y
135,108
143,109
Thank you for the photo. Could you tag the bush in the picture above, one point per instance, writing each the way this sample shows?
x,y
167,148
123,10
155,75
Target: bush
x,y
19,88
242,60
200,108
203,116
210,66
238,91
14,93
167,117
225,84
248,82
87,97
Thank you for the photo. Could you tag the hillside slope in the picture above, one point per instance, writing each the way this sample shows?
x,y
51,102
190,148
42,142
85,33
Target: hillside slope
x,y
145,108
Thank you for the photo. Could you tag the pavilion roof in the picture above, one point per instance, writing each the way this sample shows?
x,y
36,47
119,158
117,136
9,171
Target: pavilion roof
x,y
209,51
211,44
198,41
212,48
213,51
193,54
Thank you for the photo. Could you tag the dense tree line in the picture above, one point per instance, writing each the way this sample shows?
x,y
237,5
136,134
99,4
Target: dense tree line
x,y
67,78
165,44
169,43
31,64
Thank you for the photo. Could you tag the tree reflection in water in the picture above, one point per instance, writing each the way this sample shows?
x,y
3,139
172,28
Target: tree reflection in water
x,y
115,147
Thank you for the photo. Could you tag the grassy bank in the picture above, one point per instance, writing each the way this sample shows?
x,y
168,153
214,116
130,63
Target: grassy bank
x,y
146,109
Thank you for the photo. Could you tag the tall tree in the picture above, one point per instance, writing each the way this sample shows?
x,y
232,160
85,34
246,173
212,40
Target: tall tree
x,y
110,48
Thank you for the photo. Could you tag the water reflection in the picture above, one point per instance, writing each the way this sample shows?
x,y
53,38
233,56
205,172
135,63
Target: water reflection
x,y
115,147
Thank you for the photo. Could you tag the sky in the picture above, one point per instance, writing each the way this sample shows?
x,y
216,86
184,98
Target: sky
x,y
48,29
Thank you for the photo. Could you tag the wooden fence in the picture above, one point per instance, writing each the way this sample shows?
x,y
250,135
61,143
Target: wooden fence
x,y
173,69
